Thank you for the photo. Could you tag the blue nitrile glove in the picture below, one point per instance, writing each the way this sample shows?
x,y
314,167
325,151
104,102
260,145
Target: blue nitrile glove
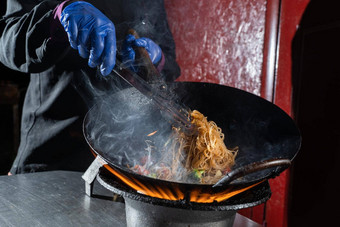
x,y
91,33
128,54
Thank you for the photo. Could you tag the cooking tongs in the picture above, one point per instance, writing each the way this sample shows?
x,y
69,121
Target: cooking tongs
x,y
158,91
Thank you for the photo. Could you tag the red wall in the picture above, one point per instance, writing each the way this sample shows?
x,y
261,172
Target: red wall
x,y
290,15
243,44
219,41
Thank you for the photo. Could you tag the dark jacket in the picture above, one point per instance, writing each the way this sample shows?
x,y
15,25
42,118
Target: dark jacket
x,y
62,87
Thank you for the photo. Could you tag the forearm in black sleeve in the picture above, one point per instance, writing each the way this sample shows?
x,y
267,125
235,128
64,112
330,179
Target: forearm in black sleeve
x,y
31,38
171,69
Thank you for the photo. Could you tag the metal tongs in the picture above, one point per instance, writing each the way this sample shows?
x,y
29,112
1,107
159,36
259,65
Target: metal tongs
x,y
159,93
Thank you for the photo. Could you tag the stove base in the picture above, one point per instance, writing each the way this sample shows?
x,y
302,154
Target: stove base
x,y
141,214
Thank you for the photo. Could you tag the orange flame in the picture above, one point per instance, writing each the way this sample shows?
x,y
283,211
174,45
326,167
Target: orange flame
x,y
196,196
175,193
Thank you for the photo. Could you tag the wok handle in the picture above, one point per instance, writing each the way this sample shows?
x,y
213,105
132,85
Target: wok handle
x,y
251,168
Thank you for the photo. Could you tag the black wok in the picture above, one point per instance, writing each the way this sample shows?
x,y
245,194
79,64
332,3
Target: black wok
x,y
268,139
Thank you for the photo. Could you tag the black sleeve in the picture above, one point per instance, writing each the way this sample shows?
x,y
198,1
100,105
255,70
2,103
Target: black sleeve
x,y
31,40
171,70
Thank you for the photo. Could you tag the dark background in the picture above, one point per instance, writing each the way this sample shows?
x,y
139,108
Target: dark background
x,y
316,72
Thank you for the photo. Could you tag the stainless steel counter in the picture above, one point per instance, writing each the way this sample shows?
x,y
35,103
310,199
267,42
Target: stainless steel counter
x,y
58,198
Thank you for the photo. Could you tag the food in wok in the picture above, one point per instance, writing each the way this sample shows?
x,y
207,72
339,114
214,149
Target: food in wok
x,y
199,157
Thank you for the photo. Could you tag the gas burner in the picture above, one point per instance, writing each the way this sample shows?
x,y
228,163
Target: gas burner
x,y
249,198
144,210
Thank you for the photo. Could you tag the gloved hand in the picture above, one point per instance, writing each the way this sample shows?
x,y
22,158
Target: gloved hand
x,y
128,54
91,33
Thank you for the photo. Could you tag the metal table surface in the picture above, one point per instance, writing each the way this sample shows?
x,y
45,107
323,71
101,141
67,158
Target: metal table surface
x,y
58,198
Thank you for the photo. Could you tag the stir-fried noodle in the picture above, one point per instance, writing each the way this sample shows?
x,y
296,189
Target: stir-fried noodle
x,y
200,157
